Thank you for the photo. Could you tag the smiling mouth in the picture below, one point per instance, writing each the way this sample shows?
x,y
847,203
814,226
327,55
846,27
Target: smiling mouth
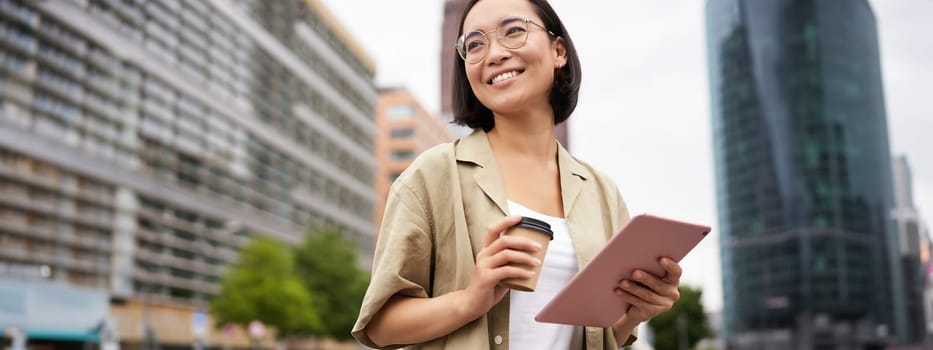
x,y
505,76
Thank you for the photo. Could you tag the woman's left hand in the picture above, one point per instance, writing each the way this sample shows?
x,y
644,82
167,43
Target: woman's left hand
x,y
650,295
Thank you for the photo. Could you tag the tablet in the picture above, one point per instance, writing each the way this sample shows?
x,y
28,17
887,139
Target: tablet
x,y
590,300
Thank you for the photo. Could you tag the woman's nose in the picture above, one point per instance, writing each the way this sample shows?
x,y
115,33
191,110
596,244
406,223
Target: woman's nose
x,y
497,51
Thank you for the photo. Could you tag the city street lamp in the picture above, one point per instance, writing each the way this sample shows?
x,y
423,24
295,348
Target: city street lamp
x,y
256,331
18,338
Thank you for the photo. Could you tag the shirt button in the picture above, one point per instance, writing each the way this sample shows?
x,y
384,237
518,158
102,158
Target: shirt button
x,y
498,340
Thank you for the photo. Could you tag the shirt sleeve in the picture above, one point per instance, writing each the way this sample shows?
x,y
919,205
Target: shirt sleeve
x,y
621,211
403,259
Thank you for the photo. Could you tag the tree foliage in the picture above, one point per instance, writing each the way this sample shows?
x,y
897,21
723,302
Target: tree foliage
x,y
262,286
666,332
327,265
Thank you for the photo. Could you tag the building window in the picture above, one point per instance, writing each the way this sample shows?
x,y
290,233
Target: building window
x,y
401,112
401,133
402,155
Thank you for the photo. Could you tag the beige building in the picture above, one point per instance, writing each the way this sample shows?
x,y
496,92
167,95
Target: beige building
x,y
405,130
142,142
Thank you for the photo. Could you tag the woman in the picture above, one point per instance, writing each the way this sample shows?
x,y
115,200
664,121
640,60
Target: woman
x,y
440,256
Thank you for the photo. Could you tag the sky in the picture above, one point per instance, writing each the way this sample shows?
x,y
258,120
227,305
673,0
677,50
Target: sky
x,y
643,116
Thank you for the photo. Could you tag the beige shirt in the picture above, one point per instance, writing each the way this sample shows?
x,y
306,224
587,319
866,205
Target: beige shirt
x,y
435,223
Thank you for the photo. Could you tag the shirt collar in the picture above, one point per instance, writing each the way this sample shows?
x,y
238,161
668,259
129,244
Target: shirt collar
x,y
475,149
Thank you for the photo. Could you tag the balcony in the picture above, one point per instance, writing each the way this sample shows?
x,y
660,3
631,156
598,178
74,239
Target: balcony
x,y
178,243
103,61
192,38
163,260
21,228
98,196
166,260
95,221
63,39
160,13
103,108
157,109
197,7
21,253
82,264
130,13
194,22
146,276
220,67
192,127
62,62
197,59
86,242
227,255
61,87
15,38
219,236
166,280
16,66
104,85
15,195
154,129
65,112
148,235
132,77
220,40
155,31
17,12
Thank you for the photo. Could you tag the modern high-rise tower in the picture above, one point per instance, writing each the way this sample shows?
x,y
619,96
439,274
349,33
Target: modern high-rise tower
x,y
913,251
803,175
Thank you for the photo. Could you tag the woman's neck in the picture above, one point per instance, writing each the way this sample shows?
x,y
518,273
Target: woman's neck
x,y
528,134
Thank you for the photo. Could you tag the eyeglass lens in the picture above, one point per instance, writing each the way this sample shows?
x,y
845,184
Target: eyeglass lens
x,y
512,33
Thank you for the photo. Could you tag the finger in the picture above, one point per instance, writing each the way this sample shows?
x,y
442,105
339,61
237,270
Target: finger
x,y
511,257
635,302
509,271
524,244
507,242
673,270
641,292
653,282
495,230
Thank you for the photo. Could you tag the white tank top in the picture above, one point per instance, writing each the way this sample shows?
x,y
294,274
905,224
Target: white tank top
x,y
560,264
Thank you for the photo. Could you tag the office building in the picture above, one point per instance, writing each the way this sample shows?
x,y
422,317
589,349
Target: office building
x,y
803,176
405,130
142,142
913,250
926,251
453,9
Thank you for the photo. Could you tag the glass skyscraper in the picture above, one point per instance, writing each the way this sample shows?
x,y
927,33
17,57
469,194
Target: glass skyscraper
x,y
803,174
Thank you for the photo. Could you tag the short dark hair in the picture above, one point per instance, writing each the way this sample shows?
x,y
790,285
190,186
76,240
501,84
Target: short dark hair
x,y
469,111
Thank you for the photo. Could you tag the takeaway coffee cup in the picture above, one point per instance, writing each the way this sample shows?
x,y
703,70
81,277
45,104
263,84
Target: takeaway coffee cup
x,y
540,232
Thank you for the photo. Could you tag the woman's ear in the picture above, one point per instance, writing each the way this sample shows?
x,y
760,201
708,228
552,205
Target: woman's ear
x,y
560,53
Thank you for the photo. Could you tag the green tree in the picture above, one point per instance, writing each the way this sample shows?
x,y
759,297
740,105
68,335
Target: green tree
x,y
327,264
665,327
262,286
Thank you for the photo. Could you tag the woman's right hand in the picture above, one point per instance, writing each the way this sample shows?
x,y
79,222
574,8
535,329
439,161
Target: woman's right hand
x,y
495,262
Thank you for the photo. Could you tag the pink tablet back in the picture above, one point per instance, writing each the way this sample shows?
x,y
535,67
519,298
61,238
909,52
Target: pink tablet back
x,y
590,300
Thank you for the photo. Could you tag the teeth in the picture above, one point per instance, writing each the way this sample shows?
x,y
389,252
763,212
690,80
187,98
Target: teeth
x,y
504,76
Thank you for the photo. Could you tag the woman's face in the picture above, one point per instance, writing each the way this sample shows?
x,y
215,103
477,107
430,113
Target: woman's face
x,y
510,80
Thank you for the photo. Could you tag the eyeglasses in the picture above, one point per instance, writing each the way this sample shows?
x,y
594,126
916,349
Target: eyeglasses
x,y
512,32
